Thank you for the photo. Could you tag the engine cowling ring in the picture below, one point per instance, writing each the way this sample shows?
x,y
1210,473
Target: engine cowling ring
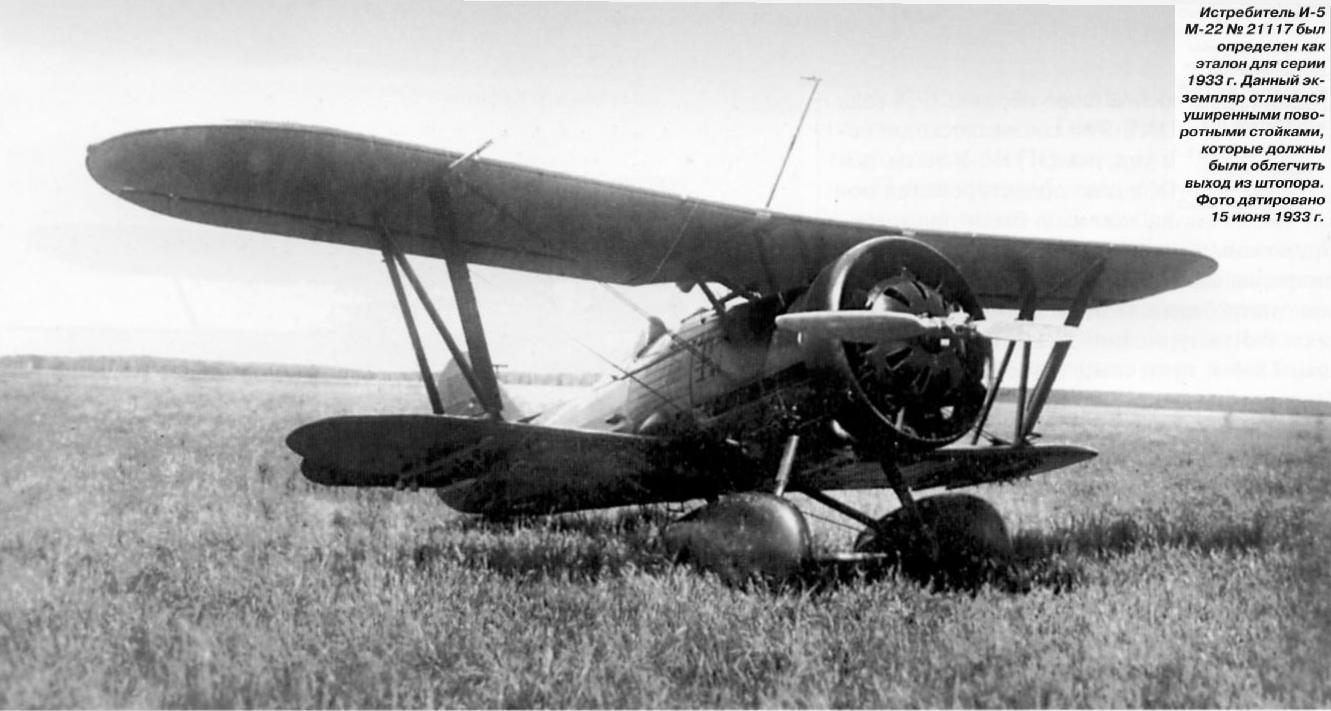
x,y
917,393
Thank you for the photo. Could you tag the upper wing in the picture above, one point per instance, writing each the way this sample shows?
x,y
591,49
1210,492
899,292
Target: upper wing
x,y
340,187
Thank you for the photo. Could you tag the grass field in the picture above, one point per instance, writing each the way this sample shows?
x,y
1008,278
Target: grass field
x,y
158,547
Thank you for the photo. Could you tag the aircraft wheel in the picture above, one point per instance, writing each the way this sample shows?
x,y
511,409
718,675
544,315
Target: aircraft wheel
x,y
970,543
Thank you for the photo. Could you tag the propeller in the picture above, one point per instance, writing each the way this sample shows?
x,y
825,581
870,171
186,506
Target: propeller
x,y
884,326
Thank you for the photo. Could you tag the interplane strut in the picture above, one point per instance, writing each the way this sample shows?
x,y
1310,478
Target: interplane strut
x,y
1054,363
476,365
486,386
1031,401
390,260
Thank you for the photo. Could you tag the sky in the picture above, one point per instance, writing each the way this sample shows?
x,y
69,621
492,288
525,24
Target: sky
x,y
1039,121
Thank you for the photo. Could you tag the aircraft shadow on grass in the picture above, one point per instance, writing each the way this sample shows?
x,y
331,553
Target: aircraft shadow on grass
x,y
572,546
1057,558
582,547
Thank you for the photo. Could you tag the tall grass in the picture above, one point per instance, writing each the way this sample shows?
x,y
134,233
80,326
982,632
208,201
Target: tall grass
x,y
159,548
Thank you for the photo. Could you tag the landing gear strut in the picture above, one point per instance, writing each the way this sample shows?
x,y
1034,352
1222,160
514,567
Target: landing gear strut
x,y
925,543
948,540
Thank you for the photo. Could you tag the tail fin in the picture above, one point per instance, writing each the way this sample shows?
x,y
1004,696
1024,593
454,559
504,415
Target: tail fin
x,y
458,398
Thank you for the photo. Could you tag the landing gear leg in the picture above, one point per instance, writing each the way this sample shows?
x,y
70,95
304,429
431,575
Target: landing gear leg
x,y
787,463
925,546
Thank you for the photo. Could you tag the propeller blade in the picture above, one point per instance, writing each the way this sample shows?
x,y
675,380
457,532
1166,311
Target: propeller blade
x,y
1024,331
885,326
856,326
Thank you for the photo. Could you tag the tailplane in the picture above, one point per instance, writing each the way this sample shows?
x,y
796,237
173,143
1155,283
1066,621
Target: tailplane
x,y
459,400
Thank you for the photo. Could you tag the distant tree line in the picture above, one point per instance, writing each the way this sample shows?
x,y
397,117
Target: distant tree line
x,y
187,366
1174,401
524,377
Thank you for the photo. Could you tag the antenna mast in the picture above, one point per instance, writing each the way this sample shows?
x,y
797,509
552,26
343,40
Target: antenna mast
x,y
816,81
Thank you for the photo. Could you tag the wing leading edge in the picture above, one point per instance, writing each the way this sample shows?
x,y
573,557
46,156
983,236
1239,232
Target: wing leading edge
x,y
346,188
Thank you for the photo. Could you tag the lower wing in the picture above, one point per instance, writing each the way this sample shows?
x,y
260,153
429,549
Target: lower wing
x,y
503,468
951,467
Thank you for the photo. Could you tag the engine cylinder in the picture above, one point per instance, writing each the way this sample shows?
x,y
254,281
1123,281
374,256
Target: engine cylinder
x,y
916,393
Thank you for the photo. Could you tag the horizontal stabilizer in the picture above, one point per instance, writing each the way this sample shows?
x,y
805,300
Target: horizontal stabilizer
x,y
458,399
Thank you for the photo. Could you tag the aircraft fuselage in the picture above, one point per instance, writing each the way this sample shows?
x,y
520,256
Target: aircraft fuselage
x,y
731,375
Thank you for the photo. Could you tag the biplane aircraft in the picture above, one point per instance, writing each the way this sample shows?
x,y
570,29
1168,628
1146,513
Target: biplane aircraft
x,y
833,355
